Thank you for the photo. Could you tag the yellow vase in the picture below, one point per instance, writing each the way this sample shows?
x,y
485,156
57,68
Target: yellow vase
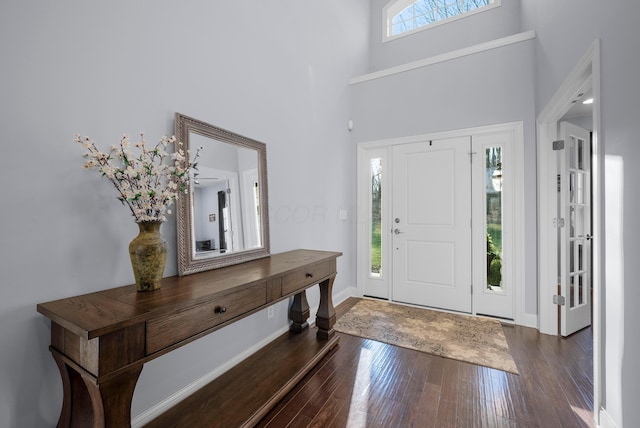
x,y
148,253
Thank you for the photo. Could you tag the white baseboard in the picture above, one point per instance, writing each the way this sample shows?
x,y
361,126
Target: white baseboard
x,y
164,405
529,320
605,420
344,295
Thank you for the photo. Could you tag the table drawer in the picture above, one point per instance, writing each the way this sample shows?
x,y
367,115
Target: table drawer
x,y
309,275
168,330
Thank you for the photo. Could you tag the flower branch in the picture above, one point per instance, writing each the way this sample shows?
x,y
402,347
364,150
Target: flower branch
x,y
148,180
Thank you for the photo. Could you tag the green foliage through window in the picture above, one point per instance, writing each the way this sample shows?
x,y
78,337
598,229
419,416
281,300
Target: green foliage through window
x,y
376,216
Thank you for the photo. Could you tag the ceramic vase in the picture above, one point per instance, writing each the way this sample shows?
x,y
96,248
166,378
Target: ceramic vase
x,y
148,253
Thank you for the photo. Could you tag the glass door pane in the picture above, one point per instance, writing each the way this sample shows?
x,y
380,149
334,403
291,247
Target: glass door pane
x,y
375,248
493,190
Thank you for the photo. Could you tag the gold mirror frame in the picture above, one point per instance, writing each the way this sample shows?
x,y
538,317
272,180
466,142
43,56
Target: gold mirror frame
x,y
188,263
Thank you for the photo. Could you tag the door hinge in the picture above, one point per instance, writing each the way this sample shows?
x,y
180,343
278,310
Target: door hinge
x,y
558,145
558,300
558,222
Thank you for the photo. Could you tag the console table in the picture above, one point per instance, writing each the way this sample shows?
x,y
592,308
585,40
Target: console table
x,y
100,341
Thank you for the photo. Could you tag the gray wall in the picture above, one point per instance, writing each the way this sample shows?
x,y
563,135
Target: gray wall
x,y
565,30
274,71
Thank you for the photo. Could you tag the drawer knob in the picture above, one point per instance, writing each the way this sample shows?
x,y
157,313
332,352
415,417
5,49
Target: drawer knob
x,y
220,310
309,275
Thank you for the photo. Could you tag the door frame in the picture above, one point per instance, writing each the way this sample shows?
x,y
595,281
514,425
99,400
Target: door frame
x,y
585,73
520,317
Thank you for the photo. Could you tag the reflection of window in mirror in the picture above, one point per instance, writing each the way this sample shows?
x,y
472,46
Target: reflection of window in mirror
x,y
251,209
256,198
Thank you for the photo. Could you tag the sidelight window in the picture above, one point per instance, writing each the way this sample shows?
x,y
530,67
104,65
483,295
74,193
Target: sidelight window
x,y
375,247
493,193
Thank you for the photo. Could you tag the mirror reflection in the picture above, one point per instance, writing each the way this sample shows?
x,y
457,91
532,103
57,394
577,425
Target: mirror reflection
x,y
222,220
226,198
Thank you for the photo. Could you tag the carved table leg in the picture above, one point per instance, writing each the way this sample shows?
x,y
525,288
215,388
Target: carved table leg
x,y
87,403
326,316
299,312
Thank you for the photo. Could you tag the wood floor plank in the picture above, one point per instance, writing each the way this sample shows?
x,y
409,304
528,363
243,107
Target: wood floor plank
x,y
363,383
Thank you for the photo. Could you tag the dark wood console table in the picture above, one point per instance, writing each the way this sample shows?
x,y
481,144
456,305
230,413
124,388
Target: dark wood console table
x,y
100,341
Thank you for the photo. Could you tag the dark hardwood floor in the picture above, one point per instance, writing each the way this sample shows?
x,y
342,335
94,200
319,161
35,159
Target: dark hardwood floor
x,y
363,383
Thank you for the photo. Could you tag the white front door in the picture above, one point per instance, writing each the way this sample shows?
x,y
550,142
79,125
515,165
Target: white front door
x,y
431,223
575,228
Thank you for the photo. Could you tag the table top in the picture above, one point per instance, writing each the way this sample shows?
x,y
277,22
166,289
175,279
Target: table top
x,y
95,314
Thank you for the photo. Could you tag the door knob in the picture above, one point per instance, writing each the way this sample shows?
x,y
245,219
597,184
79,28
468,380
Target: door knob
x,y
397,231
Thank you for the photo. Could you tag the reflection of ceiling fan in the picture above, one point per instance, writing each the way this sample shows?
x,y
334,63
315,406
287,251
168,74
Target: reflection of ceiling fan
x,y
207,181
196,179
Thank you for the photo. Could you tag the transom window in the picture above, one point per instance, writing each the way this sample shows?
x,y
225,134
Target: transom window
x,y
406,16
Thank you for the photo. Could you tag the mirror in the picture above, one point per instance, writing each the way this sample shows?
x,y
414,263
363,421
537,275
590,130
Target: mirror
x,y
223,219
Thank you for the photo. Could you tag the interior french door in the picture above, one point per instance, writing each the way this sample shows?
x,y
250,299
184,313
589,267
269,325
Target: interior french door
x,y
575,228
431,223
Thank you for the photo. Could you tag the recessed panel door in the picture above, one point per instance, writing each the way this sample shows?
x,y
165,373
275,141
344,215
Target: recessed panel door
x,y
431,223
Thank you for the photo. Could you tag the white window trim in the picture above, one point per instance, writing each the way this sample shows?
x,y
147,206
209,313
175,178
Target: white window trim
x,y
395,6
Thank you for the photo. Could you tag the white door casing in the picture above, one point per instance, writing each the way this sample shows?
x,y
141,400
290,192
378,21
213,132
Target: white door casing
x,y
575,233
432,224
585,73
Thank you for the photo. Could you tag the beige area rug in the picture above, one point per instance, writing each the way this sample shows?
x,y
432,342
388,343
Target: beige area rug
x,y
471,339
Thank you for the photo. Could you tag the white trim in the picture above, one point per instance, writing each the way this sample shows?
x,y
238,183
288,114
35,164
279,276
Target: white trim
x,y
394,7
597,171
521,318
586,71
481,47
527,320
605,420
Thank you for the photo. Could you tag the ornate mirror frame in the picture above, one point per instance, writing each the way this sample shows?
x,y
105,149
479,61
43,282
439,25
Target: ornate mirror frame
x,y
188,263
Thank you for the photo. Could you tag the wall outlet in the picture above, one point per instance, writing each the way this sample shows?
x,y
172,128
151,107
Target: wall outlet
x,y
270,312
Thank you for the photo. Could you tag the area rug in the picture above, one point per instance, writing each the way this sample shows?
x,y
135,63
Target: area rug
x,y
465,338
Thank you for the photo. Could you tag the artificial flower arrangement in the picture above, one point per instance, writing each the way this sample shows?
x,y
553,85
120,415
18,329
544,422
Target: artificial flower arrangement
x,y
148,179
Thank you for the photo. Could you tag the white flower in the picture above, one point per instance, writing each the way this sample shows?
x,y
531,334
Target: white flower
x,y
147,181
